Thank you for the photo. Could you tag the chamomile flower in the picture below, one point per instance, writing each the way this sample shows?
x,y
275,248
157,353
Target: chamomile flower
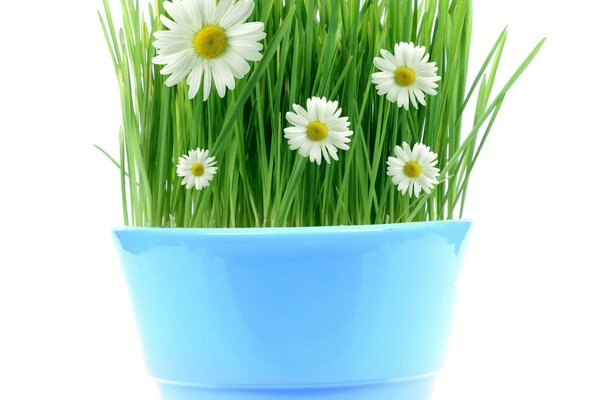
x,y
413,170
197,169
208,42
405,76
318,130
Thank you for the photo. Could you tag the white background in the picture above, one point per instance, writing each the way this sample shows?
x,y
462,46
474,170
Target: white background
x,y
528,319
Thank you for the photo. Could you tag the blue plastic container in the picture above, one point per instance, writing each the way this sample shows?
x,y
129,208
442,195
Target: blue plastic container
x,y
337,313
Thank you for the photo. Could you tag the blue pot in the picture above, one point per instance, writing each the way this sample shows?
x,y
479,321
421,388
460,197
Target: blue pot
x,y
336,313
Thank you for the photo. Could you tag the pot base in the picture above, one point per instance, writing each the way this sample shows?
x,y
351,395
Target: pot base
x,y
417,389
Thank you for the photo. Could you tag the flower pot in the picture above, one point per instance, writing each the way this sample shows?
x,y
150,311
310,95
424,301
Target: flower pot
x,y
348,313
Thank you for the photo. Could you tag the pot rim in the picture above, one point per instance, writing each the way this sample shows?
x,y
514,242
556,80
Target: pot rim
x,y
403,226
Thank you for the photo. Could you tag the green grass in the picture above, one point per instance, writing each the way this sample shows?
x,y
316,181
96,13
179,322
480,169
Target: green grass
x,y
261,182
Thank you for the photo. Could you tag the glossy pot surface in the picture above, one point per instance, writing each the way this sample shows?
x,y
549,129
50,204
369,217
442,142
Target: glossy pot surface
x,y
352,313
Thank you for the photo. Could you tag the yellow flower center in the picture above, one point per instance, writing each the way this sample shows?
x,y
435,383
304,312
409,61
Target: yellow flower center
x,y
210,42
412,169
317,132
404,76
197,169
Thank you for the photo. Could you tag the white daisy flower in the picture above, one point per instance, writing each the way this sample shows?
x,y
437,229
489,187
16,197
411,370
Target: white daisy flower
x,y
406,75
413,170
208,40
318,129
197,169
